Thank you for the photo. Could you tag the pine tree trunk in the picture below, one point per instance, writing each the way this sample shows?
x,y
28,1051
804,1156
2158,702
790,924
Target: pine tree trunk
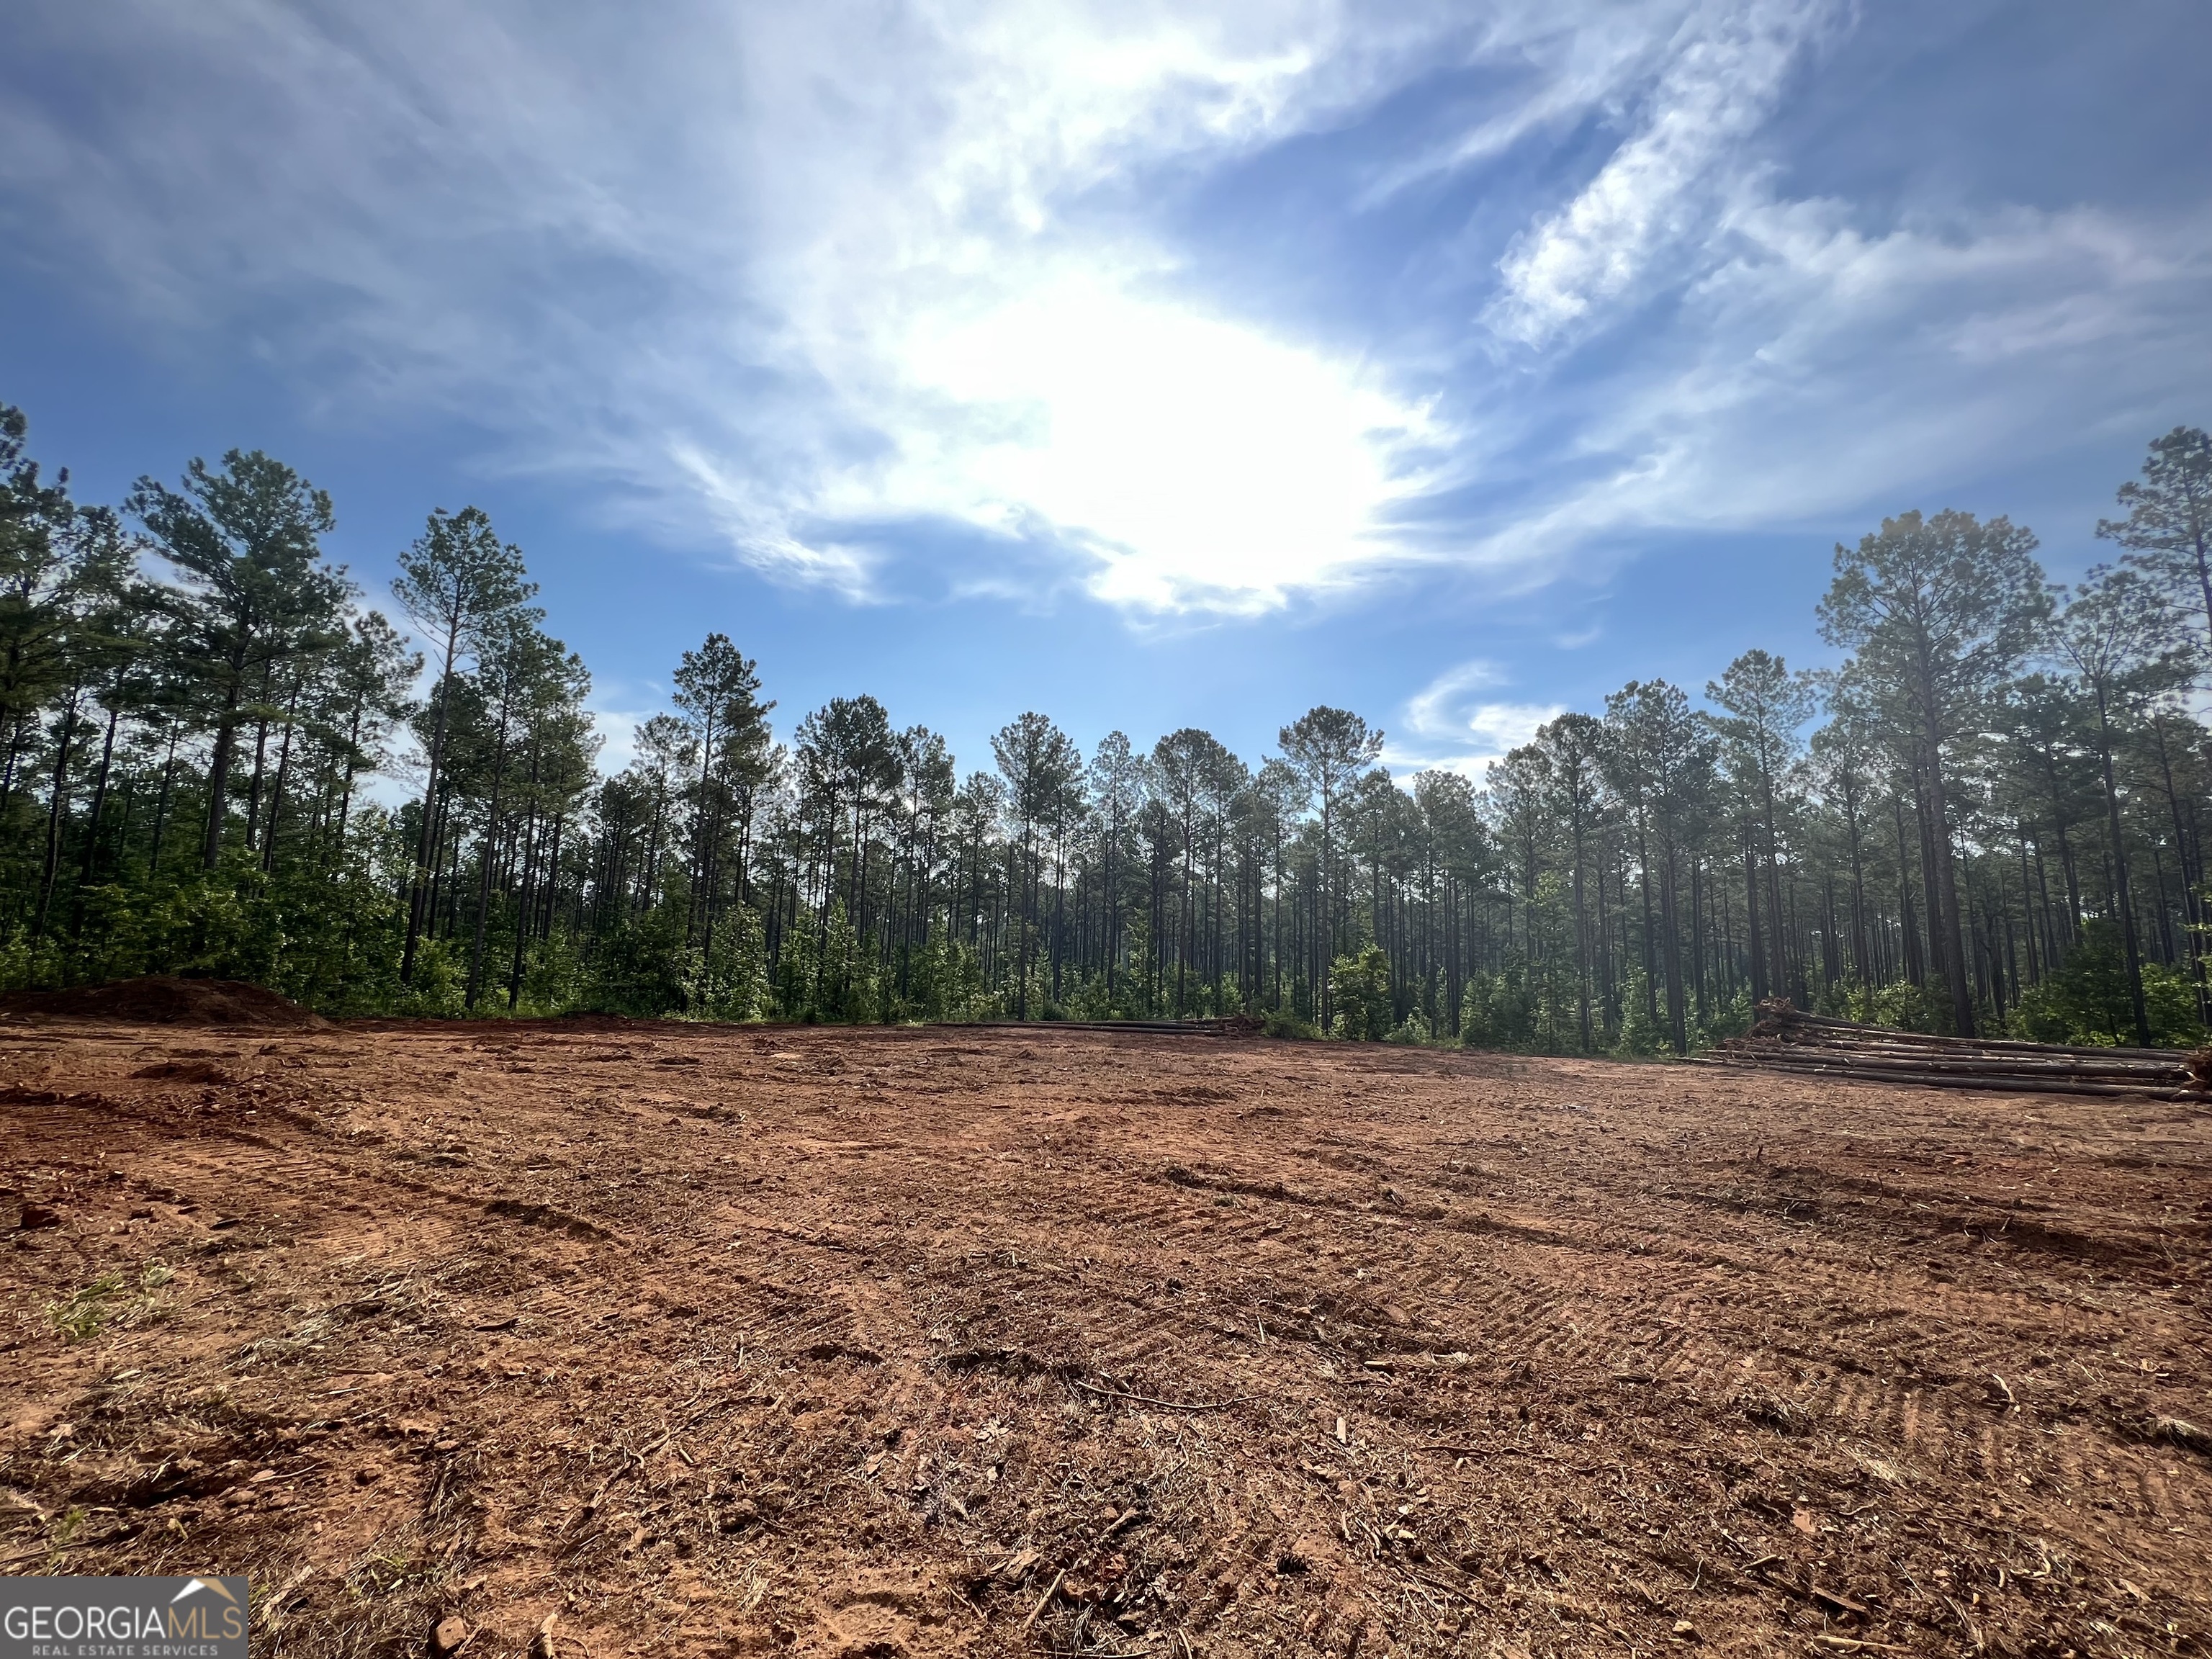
x,y
99,801
56,808
219,773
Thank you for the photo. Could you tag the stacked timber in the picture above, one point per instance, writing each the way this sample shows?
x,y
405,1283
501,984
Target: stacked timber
x,y
1784,1039
1232,1025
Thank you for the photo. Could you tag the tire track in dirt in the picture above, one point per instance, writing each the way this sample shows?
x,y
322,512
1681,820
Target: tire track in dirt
x,y
784,1344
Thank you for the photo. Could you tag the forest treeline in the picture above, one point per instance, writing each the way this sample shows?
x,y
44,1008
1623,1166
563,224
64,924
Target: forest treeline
x,y
1988,818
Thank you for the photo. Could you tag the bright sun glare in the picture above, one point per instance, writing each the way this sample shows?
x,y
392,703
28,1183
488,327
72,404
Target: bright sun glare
x,y
1191,454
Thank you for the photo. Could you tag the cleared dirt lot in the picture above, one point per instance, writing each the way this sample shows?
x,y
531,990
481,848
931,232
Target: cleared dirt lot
x,y
721,1340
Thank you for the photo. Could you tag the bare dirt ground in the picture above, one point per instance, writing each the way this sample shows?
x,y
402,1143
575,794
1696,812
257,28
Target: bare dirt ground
x,y
691,1339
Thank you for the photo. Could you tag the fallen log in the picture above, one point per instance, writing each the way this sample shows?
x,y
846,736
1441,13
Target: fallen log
x,y
2007,1065
1793,1017
1904,1043
1232,1025
1942,1080
1785,1040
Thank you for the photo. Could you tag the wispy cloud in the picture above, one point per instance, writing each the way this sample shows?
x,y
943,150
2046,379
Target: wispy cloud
x,y
1448,724
888,299
1439,710
788,275
1817,368
617,711
1186,460
1725,68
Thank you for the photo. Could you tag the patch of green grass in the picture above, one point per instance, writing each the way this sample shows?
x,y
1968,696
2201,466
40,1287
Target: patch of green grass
x,y
84,1313
80,1314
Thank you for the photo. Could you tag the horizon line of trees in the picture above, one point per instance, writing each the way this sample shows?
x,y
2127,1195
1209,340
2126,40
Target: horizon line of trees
x,y
1988,818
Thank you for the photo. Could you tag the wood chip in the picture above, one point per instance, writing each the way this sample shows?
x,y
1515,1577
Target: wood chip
x,y
1045,1600
1839,1602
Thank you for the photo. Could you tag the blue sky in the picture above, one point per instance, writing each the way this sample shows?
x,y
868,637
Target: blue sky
x,y
1149,364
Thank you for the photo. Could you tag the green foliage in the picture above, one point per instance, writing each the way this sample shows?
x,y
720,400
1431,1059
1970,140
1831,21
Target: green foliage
x,y
323,938
1725,1020
643,969
439,988
1902,1006
1280,1023
732,983
1089,999
190,722
946,983
1359,993
79,1316
109,1299
555,976
1414,1030
844,988
2086,1000
1638,1035
2170,997
1500,1010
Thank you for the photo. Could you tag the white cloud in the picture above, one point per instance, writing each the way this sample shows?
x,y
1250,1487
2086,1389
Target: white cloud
x,y
1034,372
617,726
1451,727
878,267
1438,709
1727,67
1199,461
790,280
1816,368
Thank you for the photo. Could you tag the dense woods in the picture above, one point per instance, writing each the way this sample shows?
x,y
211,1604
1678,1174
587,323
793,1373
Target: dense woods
x,y
1987,819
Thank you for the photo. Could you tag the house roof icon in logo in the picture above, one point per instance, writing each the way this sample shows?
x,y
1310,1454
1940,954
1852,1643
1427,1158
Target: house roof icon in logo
x,y
193,1586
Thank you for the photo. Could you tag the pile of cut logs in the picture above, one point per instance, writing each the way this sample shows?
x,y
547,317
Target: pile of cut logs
x,y
1784,1039
1234,1026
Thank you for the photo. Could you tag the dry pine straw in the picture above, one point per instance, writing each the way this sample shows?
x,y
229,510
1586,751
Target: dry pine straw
x,y
710,1340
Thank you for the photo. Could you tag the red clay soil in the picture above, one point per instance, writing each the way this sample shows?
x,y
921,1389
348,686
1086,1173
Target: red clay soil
x,y
671,1339
160,999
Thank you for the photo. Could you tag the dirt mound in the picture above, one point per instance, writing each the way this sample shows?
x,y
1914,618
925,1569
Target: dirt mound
x,y
160,999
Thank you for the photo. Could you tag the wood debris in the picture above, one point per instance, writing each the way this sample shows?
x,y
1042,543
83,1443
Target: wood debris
x,y
1785,1039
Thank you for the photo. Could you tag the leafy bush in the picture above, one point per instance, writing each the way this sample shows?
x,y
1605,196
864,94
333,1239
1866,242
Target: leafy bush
x,y
1359,987
1499,1011
1725,1020
1638,1035
1413,1029
2086,1000
1903,1006
641,969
